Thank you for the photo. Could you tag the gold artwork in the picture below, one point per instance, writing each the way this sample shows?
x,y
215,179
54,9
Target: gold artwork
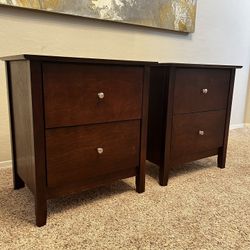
x,y
177,15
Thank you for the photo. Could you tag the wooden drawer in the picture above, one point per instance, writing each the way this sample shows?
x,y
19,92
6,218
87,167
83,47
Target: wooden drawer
x,y
190,90
187,131
73,93
72,154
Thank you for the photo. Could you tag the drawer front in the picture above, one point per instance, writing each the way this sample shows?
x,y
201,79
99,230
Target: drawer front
x,y
80,153
198,132
77,94
201,90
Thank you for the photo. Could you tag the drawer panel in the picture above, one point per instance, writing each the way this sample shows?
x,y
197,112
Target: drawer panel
x,y
72,153
191,86
197,132
77,94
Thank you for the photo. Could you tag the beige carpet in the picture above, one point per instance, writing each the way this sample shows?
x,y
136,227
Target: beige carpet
x,y
203,207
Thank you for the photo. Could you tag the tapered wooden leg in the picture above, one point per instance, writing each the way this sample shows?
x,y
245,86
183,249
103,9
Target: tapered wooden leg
x,y
163,174
17,181
140,180
221,160
40,211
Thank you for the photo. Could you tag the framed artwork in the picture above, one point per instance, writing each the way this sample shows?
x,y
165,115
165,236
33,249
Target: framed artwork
x,y
176,15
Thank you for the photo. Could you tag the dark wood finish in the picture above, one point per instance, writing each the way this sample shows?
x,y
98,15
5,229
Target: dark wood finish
x,y
48,58
185,135
197,66
157,112
72,152
61,158
178,110
189,83
73,188
26,105
140,175
17,181
160,119
70,88
192,157
39,142
223,150
22,123
167,129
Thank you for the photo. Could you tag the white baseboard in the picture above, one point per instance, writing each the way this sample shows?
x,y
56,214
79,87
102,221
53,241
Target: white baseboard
x,y
235,126
5,164
247,125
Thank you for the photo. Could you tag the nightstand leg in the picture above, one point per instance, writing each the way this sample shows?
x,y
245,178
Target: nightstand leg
x,y
17,181
163,174
40,211
221,160
140,180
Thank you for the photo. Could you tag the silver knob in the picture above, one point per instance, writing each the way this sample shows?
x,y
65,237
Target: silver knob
x,y
101,95
99,151
201,132
204,91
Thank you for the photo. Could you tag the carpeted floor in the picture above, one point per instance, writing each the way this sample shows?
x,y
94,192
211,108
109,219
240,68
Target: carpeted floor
x,y
203,207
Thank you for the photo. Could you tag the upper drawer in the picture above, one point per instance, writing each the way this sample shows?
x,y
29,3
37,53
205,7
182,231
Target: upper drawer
x,y
201,90
82,94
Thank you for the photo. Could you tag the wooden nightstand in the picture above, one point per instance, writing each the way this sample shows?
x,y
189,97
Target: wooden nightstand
x,y
76,124
189,114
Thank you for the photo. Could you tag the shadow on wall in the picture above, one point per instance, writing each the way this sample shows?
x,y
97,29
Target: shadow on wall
x,y
79,22
5,151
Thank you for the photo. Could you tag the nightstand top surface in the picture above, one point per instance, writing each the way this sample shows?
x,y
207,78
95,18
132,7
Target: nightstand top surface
x,y
47,58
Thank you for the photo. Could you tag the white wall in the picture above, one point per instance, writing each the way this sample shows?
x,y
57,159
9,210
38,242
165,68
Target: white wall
x,y
222,36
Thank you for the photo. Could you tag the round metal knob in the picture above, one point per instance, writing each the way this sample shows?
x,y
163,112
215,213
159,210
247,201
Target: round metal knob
x,y
101,95
100,151
204,91
201,132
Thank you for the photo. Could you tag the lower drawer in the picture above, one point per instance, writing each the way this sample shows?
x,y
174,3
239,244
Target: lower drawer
x,y
75,154
197,132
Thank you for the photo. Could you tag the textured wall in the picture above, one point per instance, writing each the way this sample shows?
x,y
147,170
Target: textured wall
x,y
222,36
